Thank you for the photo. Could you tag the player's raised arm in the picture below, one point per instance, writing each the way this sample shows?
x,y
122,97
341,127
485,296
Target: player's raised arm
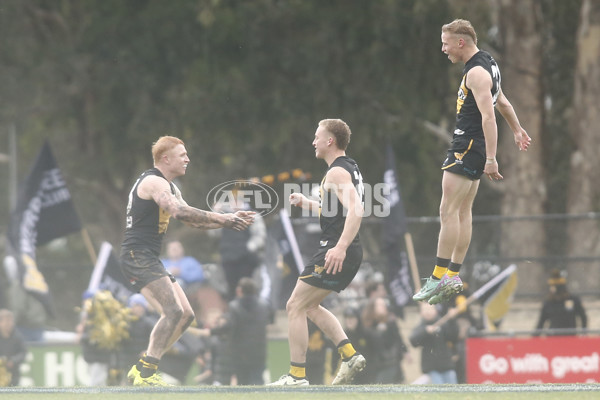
x,y
160,191
300,200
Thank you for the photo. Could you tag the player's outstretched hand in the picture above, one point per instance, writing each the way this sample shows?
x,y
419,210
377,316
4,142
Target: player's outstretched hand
x,y
296,199
240,220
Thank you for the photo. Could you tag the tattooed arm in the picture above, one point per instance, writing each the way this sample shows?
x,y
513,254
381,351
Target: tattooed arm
x,y
159,190
247,216
205,224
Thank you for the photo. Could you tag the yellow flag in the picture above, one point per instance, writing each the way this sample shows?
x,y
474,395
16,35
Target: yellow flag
x,y
498,304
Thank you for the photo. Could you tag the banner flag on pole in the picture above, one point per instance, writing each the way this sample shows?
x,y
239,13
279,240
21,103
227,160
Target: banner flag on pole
x,y
44,212
291,238
291,263
394,228
107,275
498,298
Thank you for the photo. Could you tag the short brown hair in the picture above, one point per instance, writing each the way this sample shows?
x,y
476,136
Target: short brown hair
x,y
162,145
461,27
339,129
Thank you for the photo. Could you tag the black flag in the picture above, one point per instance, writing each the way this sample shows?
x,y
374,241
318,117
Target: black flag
x,y
394,228
44,212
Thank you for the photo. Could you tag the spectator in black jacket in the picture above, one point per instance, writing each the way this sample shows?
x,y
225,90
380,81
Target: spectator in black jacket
x,y
12,348
246,324
561,308
436,343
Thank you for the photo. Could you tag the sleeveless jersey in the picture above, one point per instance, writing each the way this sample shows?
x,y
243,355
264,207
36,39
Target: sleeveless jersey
x,y
332,215
146,221
468,116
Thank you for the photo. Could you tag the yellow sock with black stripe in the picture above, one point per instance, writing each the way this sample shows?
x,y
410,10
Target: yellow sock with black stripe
x,y
297,370
453,269
138,364
441,267
147,366
346,349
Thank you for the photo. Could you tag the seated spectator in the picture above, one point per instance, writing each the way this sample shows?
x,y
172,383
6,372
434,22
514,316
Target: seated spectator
x,y
185,269
12,349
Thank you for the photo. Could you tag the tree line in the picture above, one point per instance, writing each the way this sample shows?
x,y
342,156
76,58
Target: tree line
x,y
244,84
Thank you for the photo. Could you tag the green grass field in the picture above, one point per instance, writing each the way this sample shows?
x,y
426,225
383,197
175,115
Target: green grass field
x,y
405,392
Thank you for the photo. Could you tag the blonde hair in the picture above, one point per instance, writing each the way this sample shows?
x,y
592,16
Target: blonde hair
x,y
162,145
461,27
339,129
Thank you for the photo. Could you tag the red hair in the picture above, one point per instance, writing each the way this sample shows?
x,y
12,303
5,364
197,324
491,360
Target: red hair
x,y
162,145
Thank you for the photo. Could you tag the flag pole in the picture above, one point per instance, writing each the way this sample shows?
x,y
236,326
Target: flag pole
x,y
99,266
89,246
291,236
412,260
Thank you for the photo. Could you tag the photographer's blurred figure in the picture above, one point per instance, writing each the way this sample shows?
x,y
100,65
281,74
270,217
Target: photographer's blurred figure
x,y
437,346
29,313
245,323
12,350
388,347
241,251
561,309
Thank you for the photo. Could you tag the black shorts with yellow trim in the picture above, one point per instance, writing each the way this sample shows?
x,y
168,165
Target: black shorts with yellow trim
x,y
314,274
140,267
466,160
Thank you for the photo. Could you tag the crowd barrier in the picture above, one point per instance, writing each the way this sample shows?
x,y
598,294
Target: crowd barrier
x,y
517,357
61,364
560,356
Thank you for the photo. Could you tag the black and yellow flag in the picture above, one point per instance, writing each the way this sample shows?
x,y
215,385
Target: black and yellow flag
x,y
496,296
43,213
